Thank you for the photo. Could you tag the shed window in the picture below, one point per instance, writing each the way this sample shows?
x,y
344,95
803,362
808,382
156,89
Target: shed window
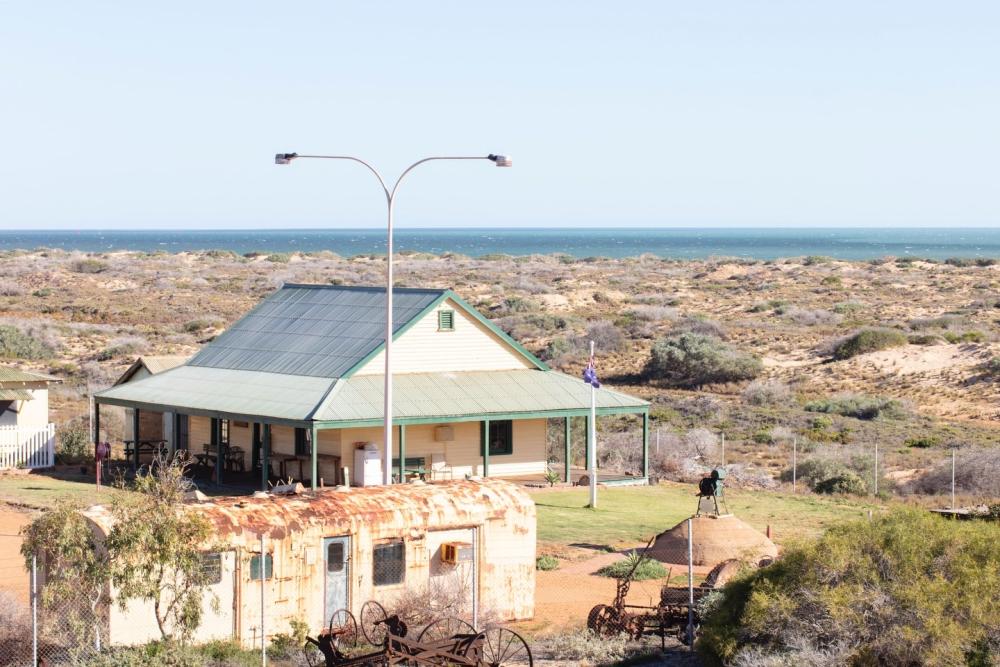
x,y
501,437
302,442
389,563
255,567
446,320
335,557
211,568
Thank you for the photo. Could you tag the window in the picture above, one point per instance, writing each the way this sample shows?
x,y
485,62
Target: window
x,y
390,563
225,431
220,428
302,437
255,567
335,557
211,568
446,320
501,438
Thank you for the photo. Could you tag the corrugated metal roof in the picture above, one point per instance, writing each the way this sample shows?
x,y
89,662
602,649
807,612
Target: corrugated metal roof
x,y
153,364
406,505
15,395
223,390
16,375
312,330
432,395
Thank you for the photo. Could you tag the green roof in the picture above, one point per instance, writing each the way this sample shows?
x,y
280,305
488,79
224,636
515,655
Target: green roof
x,y
16,376
313,330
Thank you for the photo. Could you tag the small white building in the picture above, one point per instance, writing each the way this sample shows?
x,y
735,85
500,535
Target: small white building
x,y
27,438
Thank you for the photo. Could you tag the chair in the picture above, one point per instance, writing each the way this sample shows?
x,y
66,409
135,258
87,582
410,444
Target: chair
x,y
440,468
235,459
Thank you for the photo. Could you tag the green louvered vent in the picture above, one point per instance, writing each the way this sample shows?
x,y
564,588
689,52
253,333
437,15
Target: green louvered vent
x,y
446,320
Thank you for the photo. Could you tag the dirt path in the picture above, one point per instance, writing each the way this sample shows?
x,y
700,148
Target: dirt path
x,y
13,576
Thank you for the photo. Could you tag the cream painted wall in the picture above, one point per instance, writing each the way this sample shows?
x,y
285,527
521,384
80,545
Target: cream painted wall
x,y
462,454
470,347
33,413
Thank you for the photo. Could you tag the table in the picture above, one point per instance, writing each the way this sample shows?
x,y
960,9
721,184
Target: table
x,y
145,447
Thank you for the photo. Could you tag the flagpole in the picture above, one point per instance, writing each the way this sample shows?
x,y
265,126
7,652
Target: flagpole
x,y
592,436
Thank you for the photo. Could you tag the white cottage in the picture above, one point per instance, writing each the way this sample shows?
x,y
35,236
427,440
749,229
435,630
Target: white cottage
x,y
27,438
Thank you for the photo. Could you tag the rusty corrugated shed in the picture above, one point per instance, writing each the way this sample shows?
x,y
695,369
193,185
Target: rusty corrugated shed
x,y
430,505
313,330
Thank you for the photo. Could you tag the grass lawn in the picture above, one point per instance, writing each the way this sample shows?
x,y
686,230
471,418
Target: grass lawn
x,y
43,491
631,515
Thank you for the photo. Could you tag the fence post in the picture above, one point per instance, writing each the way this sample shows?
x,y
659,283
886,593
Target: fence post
x,y
34,610
953,478
795,457
690,625
876,468
723,449
263,579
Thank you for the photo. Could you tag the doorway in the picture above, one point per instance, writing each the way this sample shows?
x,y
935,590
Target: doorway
x,y
336,557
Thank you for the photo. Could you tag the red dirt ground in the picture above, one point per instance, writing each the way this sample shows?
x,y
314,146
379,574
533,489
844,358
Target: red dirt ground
x,y
13,576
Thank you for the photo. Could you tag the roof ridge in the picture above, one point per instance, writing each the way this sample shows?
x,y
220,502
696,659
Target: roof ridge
x,y
368,288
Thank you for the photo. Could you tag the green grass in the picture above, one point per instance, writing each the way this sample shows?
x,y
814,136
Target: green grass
x,y
42,491
631,515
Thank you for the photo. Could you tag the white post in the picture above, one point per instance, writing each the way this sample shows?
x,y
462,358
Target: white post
x,y
263,607
475,579
953,479
690,625
387,425
723,449
657,439
795,451
34,610
593,439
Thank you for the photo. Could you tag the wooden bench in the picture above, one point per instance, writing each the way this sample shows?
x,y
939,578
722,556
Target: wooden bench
x,y
413,465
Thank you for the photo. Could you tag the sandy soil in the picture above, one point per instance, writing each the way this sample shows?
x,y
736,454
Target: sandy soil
x,y
13,576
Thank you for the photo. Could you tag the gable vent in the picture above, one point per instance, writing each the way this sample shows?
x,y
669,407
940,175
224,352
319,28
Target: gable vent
x,y
446,320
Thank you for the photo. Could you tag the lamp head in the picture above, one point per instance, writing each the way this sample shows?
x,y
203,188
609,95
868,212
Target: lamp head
x,y
285,158
501,160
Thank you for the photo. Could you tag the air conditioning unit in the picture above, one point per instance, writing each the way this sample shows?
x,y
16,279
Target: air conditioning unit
x,y
454,553
444,434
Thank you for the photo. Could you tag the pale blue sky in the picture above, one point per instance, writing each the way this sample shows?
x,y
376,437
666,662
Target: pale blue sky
x,y
167,114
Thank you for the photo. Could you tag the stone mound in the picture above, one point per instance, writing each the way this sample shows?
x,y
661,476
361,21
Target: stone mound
x,y
716,539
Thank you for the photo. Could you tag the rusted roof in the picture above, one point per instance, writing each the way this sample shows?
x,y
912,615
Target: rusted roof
x,y
343,511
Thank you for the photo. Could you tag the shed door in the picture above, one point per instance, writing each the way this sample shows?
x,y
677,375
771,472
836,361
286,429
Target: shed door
x,y
336,557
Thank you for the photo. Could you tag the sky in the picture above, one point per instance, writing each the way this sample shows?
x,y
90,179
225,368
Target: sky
x,y
153,115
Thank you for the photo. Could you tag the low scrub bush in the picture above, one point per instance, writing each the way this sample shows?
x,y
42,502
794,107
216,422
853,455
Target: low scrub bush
x,y
10,288
811,317
121,347
16,344
546,563
970,261
942,322
922,442
644,568
907,588
584,647
868,340
700,326
955,337
925,339
769,393
858,406
89,265
977,473
692,359
849,308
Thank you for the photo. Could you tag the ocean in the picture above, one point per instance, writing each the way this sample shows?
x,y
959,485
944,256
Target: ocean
x,y
679,243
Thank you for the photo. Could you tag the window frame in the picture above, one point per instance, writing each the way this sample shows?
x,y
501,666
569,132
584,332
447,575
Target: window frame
x,y
380,580
268,567
341,562
207,558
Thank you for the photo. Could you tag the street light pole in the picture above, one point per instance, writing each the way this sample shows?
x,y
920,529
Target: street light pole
x,y
390,198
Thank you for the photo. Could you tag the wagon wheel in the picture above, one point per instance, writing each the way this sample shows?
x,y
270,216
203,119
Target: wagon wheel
x,y
502,646
344,628
372,622
445,628
604,621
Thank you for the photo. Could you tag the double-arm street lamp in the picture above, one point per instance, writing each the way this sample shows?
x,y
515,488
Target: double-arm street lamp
x,y
390,198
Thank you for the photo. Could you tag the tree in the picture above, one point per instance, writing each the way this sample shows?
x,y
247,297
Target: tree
x,y
694,359
156,549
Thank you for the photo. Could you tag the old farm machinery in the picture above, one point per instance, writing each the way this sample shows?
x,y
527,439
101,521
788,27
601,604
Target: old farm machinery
x,y
384,639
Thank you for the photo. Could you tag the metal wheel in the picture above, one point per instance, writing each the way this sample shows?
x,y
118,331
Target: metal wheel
x,y
344,628
502,646
445,628
372,626
603,621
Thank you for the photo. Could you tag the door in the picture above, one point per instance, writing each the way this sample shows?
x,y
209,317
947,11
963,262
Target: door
x,y
182,432
336,558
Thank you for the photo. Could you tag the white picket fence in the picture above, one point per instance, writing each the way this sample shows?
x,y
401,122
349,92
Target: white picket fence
x,y
23,447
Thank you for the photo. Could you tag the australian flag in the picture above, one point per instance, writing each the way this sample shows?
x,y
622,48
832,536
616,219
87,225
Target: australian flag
x,y
590,374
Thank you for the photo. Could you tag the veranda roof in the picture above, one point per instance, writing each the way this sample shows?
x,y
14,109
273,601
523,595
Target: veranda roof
x,y
356,401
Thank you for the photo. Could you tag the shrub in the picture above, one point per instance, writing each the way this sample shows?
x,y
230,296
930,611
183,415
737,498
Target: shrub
x,y
764,306
942,322
907,588
692,359
42,293
847,482
868,340
925,339
991,368
644,568
279,258
832,281
89,265
770,393
848,307
546,563
121,347
74,443
584,647
699,325
16,344
606,336
813,260
964,337
977,472
10,288
763,437
194,326
858,406
811,318
922,442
